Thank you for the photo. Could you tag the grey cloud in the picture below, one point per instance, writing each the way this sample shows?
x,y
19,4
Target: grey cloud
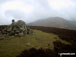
x,y
41,10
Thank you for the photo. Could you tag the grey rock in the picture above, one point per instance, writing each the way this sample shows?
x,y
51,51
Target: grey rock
x,y
1,37
28,44
16,28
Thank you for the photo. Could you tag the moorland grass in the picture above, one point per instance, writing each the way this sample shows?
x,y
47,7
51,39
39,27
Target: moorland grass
x,y
13,46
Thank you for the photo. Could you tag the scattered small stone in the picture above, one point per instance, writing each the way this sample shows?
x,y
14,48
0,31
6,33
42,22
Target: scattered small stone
x,y
21,34
1,37
28,44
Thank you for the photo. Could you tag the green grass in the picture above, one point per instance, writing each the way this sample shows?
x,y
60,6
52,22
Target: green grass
x,y
13,46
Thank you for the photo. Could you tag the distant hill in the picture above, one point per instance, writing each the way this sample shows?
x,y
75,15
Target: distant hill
x,y
57,22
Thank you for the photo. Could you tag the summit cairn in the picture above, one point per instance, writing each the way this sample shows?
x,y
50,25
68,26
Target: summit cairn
x,y
17,28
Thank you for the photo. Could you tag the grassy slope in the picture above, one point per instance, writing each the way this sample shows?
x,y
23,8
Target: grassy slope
x,y
13,46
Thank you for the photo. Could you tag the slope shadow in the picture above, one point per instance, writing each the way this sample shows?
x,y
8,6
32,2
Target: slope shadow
x,y
58,48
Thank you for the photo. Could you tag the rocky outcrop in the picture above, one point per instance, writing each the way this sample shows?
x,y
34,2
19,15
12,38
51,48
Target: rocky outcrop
x,y
16,28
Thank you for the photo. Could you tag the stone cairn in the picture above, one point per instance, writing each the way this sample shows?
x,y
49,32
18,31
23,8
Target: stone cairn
x,y
16,28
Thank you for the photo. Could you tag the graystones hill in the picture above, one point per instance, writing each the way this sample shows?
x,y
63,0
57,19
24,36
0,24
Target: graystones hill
x,y
18,28
56,22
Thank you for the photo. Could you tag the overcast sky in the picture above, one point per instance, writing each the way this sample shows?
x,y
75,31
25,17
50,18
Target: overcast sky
x,y
32,10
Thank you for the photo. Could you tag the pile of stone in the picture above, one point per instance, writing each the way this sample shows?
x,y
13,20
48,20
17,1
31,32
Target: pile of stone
x,y
16,28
